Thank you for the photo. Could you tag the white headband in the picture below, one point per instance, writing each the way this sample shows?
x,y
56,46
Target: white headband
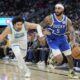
x,y
59,5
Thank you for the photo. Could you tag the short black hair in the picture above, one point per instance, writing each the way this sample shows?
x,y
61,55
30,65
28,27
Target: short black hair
x,y
17,19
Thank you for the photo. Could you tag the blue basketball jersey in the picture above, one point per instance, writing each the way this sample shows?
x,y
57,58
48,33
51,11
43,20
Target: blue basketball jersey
x,y
57,39
58,28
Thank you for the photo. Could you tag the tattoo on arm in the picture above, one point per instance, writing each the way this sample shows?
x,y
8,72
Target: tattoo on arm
x,y
47,21
71,29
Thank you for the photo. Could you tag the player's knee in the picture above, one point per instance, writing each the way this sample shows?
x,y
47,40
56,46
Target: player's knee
x,y
59,58
67,52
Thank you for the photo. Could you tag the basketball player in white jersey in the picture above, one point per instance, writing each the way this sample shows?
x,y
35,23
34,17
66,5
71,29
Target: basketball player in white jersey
x,y
18,38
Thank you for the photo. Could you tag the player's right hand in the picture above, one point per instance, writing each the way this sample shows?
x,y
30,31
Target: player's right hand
x,y
76,44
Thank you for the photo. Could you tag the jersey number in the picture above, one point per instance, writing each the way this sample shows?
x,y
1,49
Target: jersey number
x,y
58,30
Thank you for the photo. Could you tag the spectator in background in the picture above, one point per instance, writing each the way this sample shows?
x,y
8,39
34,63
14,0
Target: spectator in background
x,y
43,52
6,50
28,57
32,46
2,49
77,37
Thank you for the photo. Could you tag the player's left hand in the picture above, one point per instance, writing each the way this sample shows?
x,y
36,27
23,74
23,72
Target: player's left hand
x,y
46,32
75,44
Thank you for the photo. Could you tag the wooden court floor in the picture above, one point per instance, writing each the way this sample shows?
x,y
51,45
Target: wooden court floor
x,y
10,71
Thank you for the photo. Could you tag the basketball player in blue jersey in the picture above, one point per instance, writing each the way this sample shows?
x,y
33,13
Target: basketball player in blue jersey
x,y
57,24
17,34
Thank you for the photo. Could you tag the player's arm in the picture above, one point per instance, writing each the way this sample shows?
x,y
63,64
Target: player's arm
x,y
30,26
71,30
46,22
4,33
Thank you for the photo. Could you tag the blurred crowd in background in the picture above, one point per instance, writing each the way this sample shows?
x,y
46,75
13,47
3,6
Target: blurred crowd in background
x,y
35,11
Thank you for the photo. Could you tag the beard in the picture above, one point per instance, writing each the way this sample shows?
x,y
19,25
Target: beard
x,y
58,14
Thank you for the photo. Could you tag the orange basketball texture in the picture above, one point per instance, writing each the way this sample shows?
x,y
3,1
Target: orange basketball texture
x,y
76,52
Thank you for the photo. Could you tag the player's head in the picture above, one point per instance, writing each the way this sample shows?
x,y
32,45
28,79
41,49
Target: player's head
x,y
59,9
18,22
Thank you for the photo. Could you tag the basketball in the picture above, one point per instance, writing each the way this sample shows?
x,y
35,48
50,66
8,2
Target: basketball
x,y
76,52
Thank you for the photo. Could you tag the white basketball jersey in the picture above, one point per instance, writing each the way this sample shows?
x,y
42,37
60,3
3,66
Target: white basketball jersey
x,y
18,35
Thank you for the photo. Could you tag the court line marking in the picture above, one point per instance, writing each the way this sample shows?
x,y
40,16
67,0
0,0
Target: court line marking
x,y
37,69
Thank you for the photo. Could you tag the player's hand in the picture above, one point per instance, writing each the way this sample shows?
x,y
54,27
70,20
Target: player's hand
x,y
41,39
75,44
46,32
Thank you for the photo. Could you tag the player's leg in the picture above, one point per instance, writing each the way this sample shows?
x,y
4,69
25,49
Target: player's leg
x,y
67,53
56,56
23,49
55,52
21,62
26,69
65,48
